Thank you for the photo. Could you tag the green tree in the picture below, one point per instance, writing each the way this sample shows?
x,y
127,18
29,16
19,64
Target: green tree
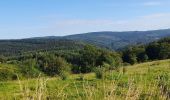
x,y
29,68
129,56
53,65
153,51
88,58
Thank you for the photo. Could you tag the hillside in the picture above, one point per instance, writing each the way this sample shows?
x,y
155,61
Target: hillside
x,y
146,81
71,70
111,40
118,40
18,47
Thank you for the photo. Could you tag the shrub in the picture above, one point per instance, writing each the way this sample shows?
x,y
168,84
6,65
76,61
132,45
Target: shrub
x,y
7,74
53,65
28,68
14,77
63,75
100,72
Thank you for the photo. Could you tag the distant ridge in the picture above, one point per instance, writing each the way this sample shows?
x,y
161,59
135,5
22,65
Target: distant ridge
x,y
118,40
106,39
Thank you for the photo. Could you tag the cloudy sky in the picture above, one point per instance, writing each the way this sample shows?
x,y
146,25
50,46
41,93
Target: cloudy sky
x,y
35,18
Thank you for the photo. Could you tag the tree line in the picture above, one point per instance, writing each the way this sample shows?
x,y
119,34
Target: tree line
x,y
85,58
157,50
63,62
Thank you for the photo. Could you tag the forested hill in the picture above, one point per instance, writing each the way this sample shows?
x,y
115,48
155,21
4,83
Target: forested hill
x,y
111,40
118,40
17,47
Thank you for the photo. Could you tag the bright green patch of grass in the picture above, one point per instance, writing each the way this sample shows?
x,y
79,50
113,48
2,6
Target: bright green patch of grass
x,y
141,81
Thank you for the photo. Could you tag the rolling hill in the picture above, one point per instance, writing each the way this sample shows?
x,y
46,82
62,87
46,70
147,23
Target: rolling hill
x,y
110,40
17,47
118,40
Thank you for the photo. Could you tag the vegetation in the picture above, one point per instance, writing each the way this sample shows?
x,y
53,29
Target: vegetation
x,y
119,40
80,71
80,59
147,81
63,62
15,48
110,40
157,50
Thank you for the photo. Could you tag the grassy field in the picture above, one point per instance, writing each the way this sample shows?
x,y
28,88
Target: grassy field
x,y
146,81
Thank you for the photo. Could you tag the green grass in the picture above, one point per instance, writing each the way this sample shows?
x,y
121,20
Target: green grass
x,y
146,81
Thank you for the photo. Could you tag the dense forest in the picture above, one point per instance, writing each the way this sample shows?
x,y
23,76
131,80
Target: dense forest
x,y
156,50
118,40
18,47
61,57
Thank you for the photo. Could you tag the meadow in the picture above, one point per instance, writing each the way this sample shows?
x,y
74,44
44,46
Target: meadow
x,y
145,81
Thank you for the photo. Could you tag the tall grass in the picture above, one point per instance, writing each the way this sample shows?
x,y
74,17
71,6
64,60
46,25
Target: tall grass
x,y
39,92
140,82
131,89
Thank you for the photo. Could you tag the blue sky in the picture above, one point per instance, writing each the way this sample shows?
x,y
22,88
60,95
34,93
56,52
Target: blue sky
x,y
35,18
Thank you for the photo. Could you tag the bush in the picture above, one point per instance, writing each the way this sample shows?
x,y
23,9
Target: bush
x,y
28,68
64,75
14,77
2,59
7,74
100,72
53,65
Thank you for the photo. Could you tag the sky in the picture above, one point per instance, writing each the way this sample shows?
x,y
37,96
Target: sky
x,y
37,18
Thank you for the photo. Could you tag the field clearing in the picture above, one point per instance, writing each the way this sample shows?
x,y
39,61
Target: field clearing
x,y
145,81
